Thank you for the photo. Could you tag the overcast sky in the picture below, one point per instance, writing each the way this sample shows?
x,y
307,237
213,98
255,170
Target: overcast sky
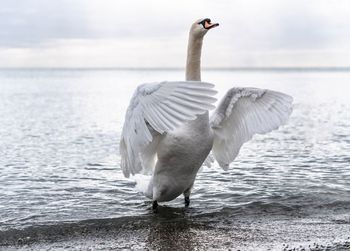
x,y
153,33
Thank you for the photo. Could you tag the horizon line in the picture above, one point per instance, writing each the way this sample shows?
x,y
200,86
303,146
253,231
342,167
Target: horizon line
x,y
265,68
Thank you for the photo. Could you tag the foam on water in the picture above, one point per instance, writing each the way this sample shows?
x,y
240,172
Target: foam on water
x,y
142,182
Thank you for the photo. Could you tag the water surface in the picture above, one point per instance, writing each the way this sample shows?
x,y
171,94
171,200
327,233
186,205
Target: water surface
x,y
59,138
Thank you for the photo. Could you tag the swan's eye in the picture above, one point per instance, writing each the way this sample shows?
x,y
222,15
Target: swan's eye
x,y
204,22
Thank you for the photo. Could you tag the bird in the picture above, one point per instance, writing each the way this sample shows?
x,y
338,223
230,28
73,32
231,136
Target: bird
x,y
168,133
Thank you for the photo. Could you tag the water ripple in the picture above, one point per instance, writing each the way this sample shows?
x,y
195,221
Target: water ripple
x,y
60,163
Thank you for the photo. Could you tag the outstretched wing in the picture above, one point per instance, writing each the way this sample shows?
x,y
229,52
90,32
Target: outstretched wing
x,y
154,110
242,113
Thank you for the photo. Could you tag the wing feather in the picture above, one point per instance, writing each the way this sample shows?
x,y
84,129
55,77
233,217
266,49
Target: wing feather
x,y
155,109
242,113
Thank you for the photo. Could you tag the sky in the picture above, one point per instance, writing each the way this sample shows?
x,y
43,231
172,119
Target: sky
x,y
154,33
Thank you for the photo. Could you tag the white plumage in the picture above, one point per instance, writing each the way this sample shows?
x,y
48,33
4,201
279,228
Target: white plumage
x,y
155,109
242,113
167,133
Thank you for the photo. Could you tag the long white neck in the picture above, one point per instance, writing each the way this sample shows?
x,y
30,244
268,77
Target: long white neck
x,y
193,65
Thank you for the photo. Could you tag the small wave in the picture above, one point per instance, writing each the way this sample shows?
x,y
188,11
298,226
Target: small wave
x,y
94,164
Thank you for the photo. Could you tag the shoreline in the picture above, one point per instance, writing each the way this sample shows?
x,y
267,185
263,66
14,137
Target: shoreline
x,y
173,229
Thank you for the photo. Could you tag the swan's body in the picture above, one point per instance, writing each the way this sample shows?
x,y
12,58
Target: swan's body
x,y
167,133
181,153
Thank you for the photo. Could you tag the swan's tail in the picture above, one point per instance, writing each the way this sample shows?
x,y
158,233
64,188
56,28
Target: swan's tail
x,y
143,184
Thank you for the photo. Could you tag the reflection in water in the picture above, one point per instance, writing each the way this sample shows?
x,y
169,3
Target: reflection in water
x,y
171,229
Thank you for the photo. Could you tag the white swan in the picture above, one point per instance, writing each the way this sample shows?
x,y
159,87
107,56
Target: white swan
x,y
167,133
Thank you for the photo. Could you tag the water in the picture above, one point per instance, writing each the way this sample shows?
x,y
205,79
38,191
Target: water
x,y
59,139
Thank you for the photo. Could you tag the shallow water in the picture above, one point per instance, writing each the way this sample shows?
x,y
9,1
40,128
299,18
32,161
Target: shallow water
x,y
59,148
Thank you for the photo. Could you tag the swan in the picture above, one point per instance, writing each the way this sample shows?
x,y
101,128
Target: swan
x,y
168,135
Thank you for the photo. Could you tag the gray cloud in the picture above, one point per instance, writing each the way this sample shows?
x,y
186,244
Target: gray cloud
x,y
29,23
301,29
41,32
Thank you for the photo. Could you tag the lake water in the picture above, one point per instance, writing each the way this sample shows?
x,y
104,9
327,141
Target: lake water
x,y
60,129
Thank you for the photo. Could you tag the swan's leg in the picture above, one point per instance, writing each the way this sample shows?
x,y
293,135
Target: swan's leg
x,y
187,201
187,196
155,206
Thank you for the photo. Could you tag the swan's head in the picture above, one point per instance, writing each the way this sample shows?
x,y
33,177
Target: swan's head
x,y
201,27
